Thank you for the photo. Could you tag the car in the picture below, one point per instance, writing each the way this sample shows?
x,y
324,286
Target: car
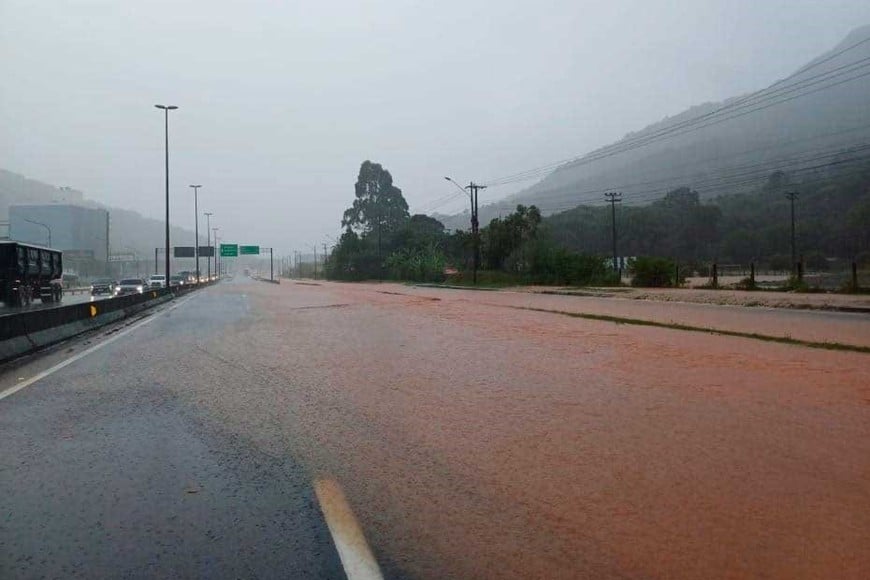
x,y
176,280
103,286
131,286
157,281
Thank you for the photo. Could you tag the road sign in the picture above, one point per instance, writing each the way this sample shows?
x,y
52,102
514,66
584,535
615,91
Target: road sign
x,y
122,257
183,251
190,252
245,250
229,250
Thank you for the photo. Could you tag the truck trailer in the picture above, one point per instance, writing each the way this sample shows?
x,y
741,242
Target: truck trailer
x,y
28,272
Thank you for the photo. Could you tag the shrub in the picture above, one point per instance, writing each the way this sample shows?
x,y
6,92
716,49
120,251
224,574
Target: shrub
x,y
426,265
653,272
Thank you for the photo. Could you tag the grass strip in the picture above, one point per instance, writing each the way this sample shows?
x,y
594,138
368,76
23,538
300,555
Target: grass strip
x,y
685,327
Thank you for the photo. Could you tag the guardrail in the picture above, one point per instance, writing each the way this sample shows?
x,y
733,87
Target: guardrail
x,y
25,332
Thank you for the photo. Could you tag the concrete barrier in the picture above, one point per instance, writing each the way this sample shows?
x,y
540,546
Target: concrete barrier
x,y
25,332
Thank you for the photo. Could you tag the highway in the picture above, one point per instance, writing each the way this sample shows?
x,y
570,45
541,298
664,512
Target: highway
x,y
317,429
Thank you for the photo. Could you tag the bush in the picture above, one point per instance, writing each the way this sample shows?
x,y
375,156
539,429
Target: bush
x,y
426,265
652,272
552,265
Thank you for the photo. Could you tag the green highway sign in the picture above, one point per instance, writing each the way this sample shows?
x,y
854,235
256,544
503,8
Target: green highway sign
x,y
229,250
245,250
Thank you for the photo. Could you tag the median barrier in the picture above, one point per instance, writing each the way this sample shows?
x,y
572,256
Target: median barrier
x,y
25,332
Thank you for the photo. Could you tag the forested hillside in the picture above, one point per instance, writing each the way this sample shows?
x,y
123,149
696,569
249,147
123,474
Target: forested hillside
x,y
813,118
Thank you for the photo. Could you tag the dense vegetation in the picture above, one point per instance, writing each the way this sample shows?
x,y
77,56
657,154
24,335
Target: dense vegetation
x,y
669,238
832,215
381,240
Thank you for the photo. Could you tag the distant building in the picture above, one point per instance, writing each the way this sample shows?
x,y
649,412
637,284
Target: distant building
x,y
81,232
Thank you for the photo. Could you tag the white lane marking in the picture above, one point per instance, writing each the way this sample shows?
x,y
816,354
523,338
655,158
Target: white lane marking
x,y
347,535
39,376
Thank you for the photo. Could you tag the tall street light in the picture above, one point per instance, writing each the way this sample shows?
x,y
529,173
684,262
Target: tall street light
x,y
208,215
196,227
48,229
217,270
166,109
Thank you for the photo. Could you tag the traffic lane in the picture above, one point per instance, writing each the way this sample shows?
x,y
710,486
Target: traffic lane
x,y
808,325
475,444
107,472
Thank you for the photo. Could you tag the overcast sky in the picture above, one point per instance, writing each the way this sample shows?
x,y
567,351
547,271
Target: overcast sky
x,y
280,101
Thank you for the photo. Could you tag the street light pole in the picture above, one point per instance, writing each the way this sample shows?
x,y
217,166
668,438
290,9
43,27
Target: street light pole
x,y
208,215
48,229
217,270
196,227
166,109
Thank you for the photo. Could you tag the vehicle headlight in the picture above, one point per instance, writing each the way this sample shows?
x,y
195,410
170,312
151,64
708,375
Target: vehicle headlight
x,y
139,289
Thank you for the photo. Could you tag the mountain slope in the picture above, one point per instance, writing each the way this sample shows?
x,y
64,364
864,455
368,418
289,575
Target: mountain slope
x,y
813,117
127,230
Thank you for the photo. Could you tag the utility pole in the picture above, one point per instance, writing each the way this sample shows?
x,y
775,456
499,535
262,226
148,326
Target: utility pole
x,y
271,265
614,197
475,225
792,195
315,259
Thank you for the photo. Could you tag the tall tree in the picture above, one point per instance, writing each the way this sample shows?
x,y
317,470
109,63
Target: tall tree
x,y
379,207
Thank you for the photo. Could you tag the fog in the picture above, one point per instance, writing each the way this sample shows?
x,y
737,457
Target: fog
x,y
280,102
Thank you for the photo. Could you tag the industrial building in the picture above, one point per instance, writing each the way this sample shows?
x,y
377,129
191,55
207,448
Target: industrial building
x,y
81,232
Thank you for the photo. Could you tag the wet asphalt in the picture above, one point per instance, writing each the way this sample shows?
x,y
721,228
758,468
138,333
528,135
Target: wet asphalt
x,y
474,434
107,472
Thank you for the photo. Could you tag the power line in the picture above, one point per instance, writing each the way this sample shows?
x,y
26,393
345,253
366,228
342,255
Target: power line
x,y
567,191
659,193
720,178
639,143
740,103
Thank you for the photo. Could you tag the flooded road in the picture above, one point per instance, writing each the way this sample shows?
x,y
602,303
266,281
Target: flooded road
x,y
475,440
252,430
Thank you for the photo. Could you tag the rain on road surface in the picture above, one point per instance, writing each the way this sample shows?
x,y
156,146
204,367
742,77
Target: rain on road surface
x,y
472,438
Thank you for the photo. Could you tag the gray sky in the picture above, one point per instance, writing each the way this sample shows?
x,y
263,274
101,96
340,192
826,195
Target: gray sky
x,y
280,101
